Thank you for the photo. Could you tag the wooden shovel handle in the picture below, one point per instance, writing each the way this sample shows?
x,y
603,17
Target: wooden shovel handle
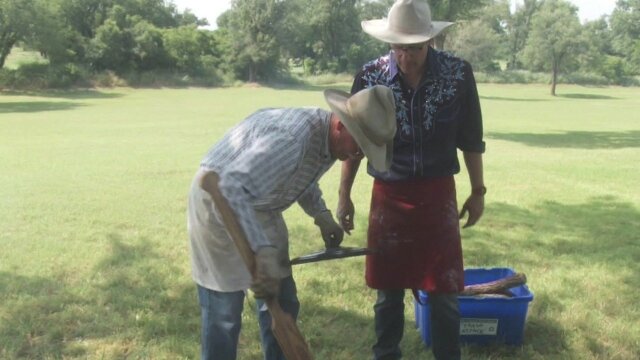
x,y
284,328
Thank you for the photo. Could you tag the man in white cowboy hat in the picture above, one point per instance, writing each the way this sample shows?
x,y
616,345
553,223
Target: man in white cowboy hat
x,y
413,220
272,159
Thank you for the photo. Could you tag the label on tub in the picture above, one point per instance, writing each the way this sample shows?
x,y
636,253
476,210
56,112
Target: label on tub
x,y
470,326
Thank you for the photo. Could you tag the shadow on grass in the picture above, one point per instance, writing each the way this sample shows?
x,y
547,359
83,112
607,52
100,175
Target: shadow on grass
x,y
501,98
128,301
35,106
124,305
599,236
587,96
67,94
603,231
575,139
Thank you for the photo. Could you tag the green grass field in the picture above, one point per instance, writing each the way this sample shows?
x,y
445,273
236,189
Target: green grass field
x,y
93,249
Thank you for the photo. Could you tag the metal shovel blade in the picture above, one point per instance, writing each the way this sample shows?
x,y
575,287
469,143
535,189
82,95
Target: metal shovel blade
x,y
331,253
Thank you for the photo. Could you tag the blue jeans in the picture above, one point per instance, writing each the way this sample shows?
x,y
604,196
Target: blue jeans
x,y
221,316
389,325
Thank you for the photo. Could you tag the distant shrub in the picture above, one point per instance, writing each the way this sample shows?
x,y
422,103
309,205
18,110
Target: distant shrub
x,y
585,78
159,78
107,78
512,77
309,66
44,76
327,79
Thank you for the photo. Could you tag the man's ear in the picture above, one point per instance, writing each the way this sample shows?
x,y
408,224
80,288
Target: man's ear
x,y
340,126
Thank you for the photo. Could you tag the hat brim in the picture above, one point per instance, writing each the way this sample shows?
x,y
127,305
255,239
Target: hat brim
x,y
379,156
378,28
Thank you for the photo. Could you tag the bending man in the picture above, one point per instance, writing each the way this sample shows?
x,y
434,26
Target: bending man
x,y
272,159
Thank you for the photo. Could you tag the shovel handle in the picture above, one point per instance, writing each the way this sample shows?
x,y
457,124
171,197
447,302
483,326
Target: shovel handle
x,y
284,328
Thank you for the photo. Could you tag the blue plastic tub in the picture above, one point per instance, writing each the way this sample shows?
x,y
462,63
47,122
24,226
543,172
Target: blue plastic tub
x,y
484,320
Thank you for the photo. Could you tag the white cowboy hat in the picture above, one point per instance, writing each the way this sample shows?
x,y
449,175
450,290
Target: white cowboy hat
x,y
370,117
408,22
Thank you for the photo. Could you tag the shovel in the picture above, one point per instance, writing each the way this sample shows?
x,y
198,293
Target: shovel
x,y
283,326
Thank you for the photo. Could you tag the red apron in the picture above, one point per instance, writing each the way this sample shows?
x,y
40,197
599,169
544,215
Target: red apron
x,y
415,228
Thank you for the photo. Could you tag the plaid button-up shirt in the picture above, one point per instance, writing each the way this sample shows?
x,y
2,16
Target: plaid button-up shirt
x,y
272,159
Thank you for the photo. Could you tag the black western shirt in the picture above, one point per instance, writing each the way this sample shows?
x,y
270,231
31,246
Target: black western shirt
x,y
441,116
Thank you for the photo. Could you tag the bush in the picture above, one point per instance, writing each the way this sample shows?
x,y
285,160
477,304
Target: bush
x,y
512,77
7,77
328,79
585,78
44,76
159,78
108,78
309,65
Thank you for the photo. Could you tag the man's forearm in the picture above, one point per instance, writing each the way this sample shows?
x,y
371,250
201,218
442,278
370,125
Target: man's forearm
x,y
348,176
473,161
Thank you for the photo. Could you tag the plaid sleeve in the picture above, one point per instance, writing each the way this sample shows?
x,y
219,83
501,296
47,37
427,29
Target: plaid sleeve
x,y
311,201
267,163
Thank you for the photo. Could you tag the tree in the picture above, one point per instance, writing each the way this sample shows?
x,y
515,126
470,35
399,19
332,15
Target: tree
x,y
295,32
452,10
366,47
148,46
111,48
15,21
597,40
335,26
184,47
478,43
253,28
518,26
555,35
625,26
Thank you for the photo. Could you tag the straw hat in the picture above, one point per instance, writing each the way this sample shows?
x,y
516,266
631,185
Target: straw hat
x,y
370,117
408,22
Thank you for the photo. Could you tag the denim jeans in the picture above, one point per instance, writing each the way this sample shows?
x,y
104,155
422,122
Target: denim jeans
x,y
389,325
221,316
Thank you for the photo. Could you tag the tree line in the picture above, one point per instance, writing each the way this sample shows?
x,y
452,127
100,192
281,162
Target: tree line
x,y
260,40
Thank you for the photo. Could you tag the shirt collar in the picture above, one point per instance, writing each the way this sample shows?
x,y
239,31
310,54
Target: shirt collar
x,y
429,64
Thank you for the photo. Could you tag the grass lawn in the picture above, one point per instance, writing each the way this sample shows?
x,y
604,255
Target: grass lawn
x,y
94,259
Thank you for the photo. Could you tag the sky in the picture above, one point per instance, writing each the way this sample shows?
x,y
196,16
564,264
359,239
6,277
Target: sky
x,y
211,9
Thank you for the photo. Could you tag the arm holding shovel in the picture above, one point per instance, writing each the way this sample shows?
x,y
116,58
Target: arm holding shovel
x,y
313,204
260,264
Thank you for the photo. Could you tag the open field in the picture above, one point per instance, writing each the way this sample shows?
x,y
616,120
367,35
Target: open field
x,y
93,250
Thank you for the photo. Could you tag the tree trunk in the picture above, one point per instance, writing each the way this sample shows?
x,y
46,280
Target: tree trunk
x,y
6,44
554,79
252,72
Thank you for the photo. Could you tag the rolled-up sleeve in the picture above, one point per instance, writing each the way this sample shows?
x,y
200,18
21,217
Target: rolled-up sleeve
x,y
470,137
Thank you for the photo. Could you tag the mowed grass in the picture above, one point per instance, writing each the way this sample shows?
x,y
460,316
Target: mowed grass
x,y
94,259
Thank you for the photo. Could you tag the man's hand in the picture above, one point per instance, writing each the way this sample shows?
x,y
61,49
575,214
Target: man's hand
x,y
266,283
346,211
475,206
332,233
